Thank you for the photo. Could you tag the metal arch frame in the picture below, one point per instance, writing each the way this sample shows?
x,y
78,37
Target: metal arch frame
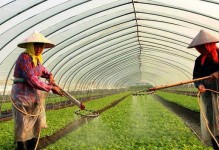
x,y
159,49
89,77
183,51
90,48
179,63
88,63
131,72
91,14
92,34
175,54
116,69
113,68
165,16
134,76
146,37
161,36
165,52
176,18
77,20
177,67
16,14
36,23
114,80
176,33
183,71
79,68
179,70
178,8
98,84
161,80
91,41
106,63
124,80
122,15
210,1
11,70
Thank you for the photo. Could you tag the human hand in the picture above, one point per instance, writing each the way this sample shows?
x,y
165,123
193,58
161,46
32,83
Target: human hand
x,y
51,79
201,88
57,90
215,75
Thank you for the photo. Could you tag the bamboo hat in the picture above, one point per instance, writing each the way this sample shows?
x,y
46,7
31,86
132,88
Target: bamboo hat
x,y
36,37
203,37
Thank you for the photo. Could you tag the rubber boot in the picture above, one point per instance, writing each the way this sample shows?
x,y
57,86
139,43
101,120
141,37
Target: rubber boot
x,y
214,144
21,146
31,144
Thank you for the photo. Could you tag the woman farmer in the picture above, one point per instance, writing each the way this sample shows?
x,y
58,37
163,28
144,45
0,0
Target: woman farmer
x,y
206,64
27,95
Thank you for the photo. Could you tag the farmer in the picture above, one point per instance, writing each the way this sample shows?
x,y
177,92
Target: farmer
x,y
206,64
27,95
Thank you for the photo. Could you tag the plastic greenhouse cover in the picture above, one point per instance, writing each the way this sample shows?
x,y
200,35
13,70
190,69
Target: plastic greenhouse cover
x,y
108,44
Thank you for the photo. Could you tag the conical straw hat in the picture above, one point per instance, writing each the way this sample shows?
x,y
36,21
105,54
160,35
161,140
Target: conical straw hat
x,y
36,37
203,37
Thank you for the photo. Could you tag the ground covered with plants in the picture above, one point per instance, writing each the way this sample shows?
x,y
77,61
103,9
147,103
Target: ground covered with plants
x,y
135,123
56,119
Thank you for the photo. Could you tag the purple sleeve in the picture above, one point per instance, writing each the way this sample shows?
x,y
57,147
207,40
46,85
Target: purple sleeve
x,y
45,73
30,76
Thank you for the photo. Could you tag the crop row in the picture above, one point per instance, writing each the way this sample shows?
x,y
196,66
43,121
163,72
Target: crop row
x,y
135,124
52,99
56,119
186,101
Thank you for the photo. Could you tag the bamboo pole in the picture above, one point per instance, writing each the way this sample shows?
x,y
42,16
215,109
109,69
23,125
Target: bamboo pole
x,y
179,83
70,97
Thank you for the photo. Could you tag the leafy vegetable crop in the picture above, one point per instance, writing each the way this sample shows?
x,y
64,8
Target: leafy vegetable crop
x,y
183,100
56,119
134,124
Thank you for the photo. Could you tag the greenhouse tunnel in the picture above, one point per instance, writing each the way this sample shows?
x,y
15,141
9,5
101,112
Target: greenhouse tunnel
x,y
106,46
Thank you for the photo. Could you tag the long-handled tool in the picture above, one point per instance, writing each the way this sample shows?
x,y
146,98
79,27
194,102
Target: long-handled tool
x,y
214,75
86,113
67,95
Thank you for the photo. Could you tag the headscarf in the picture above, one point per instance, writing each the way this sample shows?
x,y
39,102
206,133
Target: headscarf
x,y
31,52
211,51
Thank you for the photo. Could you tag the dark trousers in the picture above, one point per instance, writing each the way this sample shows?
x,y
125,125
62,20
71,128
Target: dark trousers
x,y
27,145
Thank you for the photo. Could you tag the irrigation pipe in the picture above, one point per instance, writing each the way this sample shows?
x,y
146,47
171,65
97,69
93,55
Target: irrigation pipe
x,y
206,121
31,115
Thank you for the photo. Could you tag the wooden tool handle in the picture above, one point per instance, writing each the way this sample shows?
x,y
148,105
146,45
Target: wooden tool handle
x,y
176,84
